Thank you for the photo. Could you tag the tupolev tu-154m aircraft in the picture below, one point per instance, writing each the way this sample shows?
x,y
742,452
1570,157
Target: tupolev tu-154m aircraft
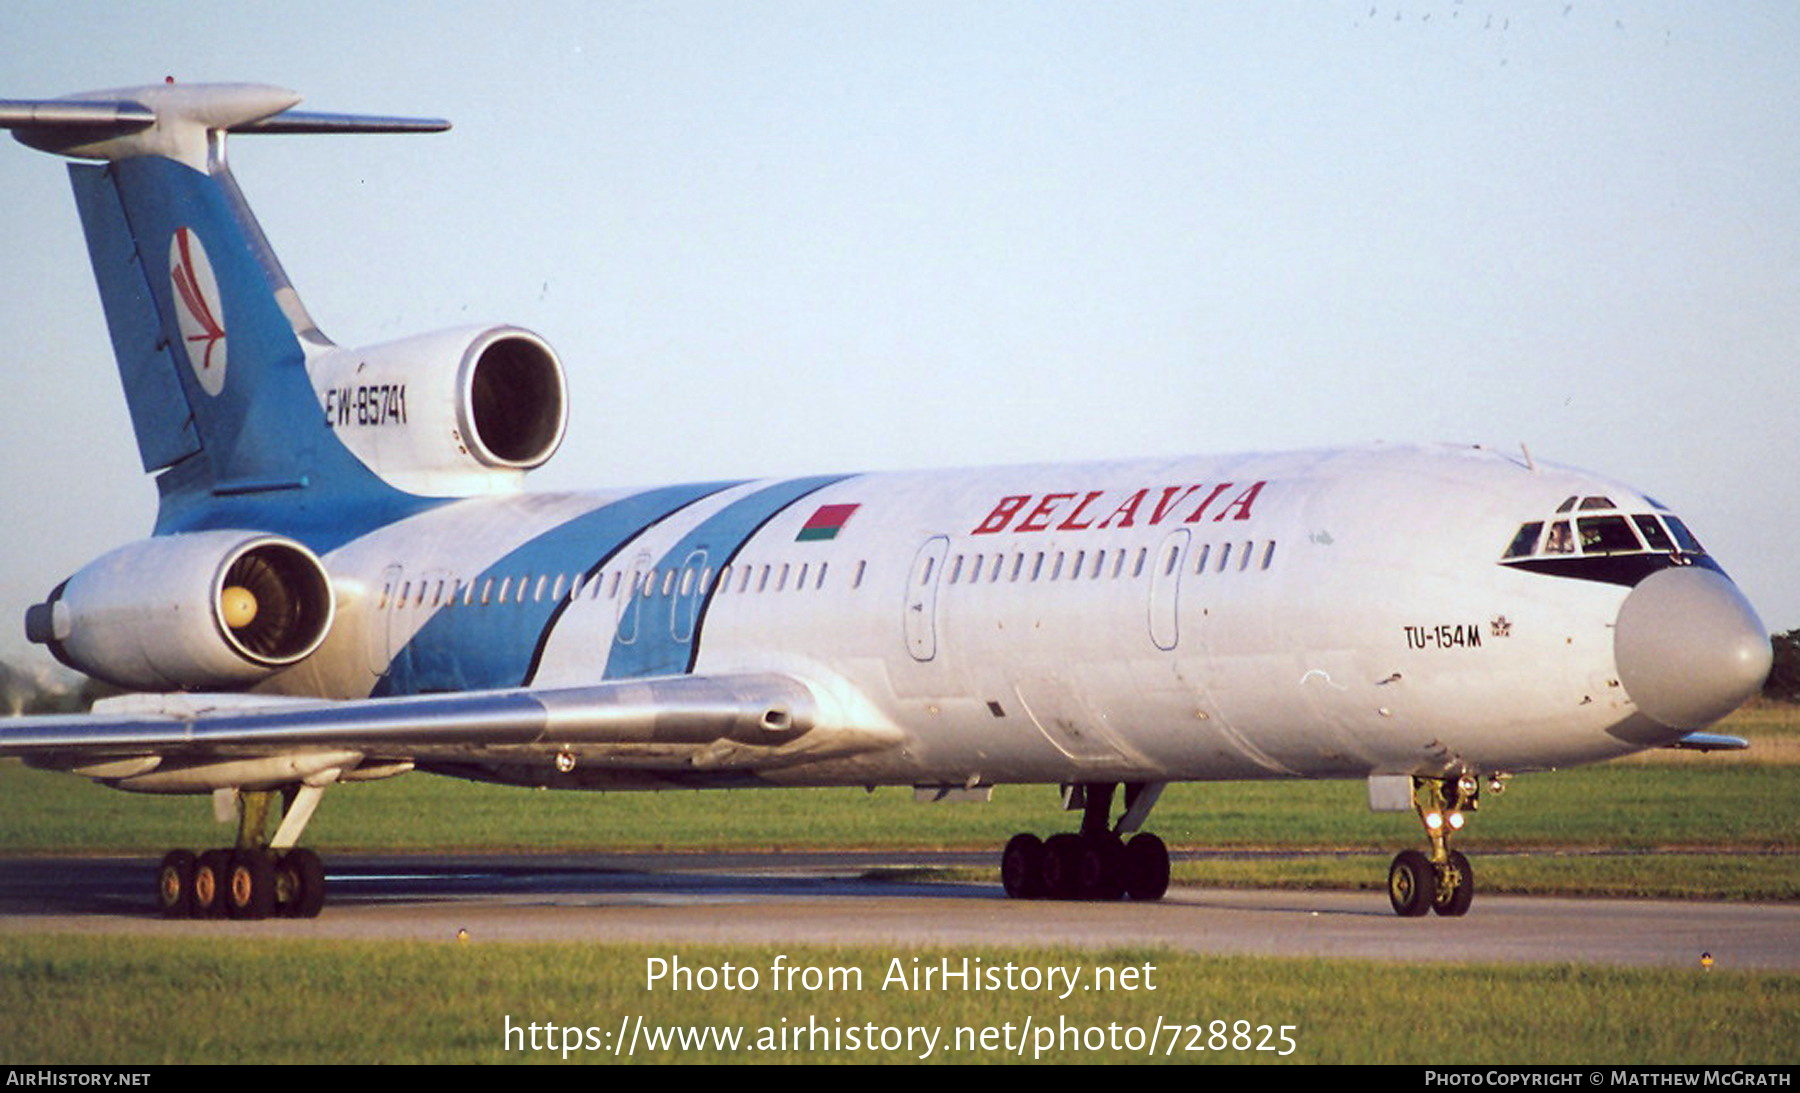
x,y
346,582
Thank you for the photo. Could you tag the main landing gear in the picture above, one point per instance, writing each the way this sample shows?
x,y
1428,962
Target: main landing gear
x,y
1098,863
1443,880
254,879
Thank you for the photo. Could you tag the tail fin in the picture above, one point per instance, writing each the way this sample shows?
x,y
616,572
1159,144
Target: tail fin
x,y
210,337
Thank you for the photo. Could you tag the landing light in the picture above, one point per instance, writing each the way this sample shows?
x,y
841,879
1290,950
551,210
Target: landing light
x,y
1456,821
1434,820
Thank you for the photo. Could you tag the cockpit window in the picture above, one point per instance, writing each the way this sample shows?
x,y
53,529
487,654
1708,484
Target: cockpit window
x,y
1684,536
1654,533
1526,540
1593,539
1612,533
1607,535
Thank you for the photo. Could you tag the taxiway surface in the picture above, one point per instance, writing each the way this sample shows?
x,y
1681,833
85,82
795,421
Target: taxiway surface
x,y
889,898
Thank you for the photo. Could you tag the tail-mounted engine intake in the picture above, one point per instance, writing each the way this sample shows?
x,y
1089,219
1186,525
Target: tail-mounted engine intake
x,y
206,610
453,413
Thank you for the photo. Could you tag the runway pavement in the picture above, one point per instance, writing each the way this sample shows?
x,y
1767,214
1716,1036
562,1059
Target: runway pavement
x,y
889,898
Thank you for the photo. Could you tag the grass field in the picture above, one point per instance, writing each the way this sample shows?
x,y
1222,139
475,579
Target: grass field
x,y
97,1000
1664,818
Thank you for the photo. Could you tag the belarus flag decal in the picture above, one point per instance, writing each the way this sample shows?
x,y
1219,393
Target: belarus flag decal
x,y
826,522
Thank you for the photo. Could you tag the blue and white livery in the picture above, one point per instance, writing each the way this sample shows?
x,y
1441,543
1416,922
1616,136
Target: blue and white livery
x,y
347,582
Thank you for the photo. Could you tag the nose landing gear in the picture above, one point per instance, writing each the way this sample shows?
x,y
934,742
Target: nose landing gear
x,y
1442,881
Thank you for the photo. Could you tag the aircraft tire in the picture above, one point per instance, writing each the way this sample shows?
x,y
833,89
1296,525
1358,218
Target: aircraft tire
x,y
1464,892
1412,884
250,884
299,884
1022,867
1101,875
175,884
209,883
1062,866
1146,868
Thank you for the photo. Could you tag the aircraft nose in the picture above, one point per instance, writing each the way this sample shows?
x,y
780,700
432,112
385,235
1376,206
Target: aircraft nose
x,y
1689,647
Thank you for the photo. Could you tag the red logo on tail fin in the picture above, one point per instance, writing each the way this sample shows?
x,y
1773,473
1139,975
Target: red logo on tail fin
x,y
197,309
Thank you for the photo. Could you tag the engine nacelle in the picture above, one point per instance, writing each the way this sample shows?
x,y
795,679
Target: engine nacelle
x,y
207,610
449,414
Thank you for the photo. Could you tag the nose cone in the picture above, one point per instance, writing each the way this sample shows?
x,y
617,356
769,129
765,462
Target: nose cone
x,y
1690,648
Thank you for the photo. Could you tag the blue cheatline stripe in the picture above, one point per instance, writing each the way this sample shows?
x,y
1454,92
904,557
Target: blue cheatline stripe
x,y
464,648
659,634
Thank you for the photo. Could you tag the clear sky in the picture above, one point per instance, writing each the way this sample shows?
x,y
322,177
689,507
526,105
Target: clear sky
x,y
790,237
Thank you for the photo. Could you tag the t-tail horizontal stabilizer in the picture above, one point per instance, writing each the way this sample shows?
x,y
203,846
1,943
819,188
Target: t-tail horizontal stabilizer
x,y
174,120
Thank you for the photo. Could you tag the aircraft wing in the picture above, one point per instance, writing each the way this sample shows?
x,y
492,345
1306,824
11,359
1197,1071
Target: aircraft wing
x,y
191,743
1709,741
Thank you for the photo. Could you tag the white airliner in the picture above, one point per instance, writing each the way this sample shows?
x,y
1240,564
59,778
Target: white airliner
x,y
347,583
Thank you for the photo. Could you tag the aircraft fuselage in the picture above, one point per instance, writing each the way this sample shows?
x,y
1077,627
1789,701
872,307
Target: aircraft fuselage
x,y
1317,614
